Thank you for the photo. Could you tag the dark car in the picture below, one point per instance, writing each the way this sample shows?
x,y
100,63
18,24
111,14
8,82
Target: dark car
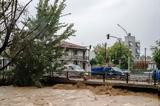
x,y
115,72
100,70
156,75
109,72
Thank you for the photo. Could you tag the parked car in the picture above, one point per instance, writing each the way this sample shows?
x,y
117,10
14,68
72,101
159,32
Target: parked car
x,y
74,70
116,72
100,70
109,72
156,75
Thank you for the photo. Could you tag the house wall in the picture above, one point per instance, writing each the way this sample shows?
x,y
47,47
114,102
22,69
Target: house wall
x,y
76,56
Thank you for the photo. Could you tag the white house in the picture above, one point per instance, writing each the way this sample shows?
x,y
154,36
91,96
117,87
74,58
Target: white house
x,y
75,54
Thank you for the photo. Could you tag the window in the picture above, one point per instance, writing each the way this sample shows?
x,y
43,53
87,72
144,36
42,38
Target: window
x,y
138,44
130,43
71,68
138,51
67,50
75,52
75,62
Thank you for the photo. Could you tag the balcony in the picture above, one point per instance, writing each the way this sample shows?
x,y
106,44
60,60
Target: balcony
x,y
75,57
138,51
130,44
138,44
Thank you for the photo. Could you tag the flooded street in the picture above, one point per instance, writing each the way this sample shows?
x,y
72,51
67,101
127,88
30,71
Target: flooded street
x,y
30,96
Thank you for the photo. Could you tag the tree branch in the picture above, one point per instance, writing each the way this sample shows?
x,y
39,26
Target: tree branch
x,y
10,26
22,10
14,57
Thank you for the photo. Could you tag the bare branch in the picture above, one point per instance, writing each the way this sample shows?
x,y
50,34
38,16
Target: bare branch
x,y
9,25
7,7
7,54
23,10
13,58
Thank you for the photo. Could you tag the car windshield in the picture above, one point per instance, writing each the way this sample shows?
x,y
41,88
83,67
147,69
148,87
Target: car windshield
x,y
117,69
76,67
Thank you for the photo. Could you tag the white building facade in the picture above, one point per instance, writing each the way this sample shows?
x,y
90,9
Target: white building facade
x,y
133,45
75,54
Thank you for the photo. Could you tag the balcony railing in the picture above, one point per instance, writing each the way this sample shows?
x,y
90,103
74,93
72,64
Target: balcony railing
x,y
75,57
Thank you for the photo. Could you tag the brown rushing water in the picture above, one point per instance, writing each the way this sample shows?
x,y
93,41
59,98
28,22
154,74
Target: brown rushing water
x,y
31,96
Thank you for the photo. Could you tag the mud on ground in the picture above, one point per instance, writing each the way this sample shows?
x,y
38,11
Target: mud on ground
x,y
102,90
73,95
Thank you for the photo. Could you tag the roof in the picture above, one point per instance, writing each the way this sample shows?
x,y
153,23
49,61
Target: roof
x,y
66,44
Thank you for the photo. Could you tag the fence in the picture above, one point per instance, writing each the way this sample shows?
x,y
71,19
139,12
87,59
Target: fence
x,y
129,78
6,77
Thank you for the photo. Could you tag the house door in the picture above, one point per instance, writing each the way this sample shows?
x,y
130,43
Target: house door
x,y
84,65
75,62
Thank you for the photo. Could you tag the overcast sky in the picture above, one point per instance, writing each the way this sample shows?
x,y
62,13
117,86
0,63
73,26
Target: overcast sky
x,y
93,19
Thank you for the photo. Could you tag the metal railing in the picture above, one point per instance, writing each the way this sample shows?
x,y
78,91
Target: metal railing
x,y
75,57
128,78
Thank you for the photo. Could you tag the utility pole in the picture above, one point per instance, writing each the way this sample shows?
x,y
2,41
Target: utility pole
x,y
119,40
106,53
145,49
120,58
129,63
129,58
89,50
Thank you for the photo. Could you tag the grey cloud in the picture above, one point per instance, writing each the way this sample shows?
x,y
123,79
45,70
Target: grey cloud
x,y
93,19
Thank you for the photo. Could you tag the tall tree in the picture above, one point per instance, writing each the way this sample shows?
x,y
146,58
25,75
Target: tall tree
x,y
43,53
119,53
156,54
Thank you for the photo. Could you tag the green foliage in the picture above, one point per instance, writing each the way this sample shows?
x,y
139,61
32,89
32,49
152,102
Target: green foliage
x,y
29,68
156,54
42,54
93,62
120,53
100,54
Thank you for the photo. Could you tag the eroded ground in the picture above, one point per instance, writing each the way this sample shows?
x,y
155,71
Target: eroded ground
x,y
73,95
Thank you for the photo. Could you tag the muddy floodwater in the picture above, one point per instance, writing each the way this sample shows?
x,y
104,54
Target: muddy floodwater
x,y
47,96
